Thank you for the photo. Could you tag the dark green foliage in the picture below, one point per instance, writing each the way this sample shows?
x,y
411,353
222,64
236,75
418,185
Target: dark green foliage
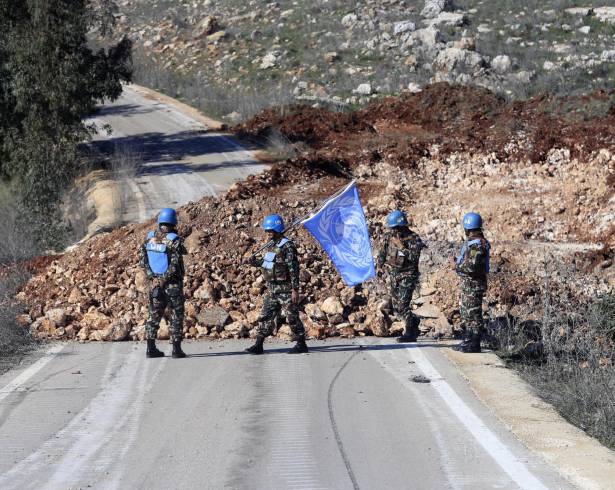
x,y
50,80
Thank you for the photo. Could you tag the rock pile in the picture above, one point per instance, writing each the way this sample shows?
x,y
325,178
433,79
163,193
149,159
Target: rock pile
x,y
551,216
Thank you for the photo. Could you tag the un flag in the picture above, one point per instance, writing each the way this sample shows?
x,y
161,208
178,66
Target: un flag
x,y
341,229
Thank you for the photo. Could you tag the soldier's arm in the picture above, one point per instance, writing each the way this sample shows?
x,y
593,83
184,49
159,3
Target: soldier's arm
x,y
291,257
384,250
175,257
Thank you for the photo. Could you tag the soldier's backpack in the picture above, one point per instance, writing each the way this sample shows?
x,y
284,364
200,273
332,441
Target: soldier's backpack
x,y
158,252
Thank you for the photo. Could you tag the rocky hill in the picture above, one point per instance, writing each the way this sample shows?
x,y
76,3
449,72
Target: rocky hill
x,y
541,172
233,58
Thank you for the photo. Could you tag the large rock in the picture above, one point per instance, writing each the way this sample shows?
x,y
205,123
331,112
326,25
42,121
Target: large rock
x,y
332,306
403,26
206,291
428,37
501,64
207,26
349,20
448,19
96,320
378,324
452,59
57,316
215,316
605,14
433,8
364,89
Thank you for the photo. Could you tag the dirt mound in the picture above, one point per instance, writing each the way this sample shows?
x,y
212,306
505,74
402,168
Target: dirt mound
x,y
445,119
437,155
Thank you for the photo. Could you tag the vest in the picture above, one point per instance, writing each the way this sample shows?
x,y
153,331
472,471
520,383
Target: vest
x,y
461,258
158,252
274,267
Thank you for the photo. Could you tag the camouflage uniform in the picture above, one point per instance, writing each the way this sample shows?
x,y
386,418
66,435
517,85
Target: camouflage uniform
x,y
472,268
281,279
171,293
401,252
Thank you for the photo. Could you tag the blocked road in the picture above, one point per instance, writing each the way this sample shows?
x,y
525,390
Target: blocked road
x,y
343,416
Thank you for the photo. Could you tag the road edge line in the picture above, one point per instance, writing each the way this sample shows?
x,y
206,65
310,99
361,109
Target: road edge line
x,y
30,371
579,458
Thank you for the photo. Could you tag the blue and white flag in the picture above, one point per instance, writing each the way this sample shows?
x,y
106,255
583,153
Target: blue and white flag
x,y
341,229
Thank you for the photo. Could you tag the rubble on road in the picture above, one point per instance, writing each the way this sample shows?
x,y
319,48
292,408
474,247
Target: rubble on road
x,y
544,181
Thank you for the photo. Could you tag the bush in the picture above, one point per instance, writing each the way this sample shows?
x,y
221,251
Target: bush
x,y
569,358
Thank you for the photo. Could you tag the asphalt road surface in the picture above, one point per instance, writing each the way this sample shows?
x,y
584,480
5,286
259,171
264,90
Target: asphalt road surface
x,y
344,416
179,159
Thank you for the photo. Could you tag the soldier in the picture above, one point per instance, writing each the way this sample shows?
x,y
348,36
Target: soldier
x,y
281,271
400,254
161,257
472,267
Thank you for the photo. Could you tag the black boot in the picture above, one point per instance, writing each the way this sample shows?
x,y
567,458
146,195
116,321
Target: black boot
x,y
465,342
411,332
300,347
152,351
257,348
178,353
473,346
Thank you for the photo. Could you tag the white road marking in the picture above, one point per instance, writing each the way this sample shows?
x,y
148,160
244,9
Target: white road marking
x,y
21,379
511,465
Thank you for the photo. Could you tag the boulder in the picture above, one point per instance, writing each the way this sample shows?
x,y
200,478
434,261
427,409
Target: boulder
x,y
57,316
237,329
605,14
270,60
364,89
433,8
429,37
206,291
403,26
332,306
314,312
96,320
205,27
349,20
377,324
117,332
448,19
452,59
215,316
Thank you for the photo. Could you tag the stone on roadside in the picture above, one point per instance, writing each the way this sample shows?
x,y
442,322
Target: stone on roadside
x,y
349,20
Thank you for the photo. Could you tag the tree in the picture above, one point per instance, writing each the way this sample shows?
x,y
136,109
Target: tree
x,y
50,79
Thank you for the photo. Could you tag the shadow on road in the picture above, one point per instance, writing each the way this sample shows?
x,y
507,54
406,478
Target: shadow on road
x,y
323,349
161,147
124,110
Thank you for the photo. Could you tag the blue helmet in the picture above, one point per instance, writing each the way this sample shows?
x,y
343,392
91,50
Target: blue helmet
x,y
472,221
274,222
167,216
397,218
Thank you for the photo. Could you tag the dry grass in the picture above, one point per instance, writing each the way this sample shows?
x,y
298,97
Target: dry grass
x,y
569,358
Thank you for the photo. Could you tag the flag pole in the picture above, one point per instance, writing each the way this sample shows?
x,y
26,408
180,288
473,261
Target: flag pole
x,y
298,221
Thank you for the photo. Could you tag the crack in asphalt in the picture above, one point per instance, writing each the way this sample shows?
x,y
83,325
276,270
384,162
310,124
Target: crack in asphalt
x,y
336,432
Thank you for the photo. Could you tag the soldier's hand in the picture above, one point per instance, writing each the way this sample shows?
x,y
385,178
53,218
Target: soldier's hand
x,y
294,296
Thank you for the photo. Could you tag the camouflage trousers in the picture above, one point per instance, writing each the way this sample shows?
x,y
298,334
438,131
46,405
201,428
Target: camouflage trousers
x,y
402,289
471,304
172,296
276,303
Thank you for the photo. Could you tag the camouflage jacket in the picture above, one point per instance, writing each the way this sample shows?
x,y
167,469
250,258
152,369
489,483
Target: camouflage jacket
x,y
473,259
175,252
280,265
401,252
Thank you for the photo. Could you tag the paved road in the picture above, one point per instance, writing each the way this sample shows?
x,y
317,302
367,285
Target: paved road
x,y
180,160
341,417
